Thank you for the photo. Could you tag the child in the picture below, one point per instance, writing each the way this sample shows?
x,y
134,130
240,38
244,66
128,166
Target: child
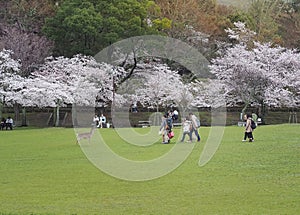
x,y
186,127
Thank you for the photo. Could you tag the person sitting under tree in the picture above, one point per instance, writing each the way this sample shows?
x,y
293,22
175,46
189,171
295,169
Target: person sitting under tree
x,y
2,124
102,121
9,123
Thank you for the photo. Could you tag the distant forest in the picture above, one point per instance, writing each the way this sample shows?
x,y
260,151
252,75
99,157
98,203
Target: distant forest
x,y
34,29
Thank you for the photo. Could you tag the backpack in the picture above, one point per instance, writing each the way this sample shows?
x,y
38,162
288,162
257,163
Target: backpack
x,y
197,122
253,124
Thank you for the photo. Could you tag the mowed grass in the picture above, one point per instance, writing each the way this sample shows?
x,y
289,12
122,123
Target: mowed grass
x,y
43,171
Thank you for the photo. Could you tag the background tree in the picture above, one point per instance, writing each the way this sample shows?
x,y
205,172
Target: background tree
x,y
159,87
27,15
200,23
262,76
61,81
290,24
88,26
30,48
208,93
9,73
205,16
264,15
75,28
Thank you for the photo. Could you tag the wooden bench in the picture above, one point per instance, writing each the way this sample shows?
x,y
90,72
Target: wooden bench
x,y
177,124
144,124
241,124
259,121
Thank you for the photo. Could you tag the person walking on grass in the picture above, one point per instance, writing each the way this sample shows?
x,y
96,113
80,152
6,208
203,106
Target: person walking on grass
x,y
195,125
166,128
186,129
248,128
163,129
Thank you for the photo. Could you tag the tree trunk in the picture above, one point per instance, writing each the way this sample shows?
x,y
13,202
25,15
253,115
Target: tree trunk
x,y
263,112
244,109
1,110
17,112
24,119
57,116
74,115
54,117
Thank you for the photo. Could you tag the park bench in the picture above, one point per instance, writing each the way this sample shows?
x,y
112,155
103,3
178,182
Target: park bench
x,y
144,124
259,121
176,124
241,124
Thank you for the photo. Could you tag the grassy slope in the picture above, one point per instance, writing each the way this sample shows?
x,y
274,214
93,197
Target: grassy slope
x,y
43,171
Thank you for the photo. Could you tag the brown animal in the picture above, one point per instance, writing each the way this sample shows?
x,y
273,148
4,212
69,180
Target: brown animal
x,y
86,135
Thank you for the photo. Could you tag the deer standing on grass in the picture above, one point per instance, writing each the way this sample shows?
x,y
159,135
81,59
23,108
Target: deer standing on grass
x,y
86,135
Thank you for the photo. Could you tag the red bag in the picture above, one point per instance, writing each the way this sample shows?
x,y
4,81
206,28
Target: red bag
x,y
171,134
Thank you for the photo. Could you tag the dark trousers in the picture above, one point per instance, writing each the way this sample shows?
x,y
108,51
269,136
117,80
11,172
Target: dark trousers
x,y
195,130
249,135
8,125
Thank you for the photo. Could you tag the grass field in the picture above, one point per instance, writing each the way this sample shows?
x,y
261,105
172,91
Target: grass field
x,y
43,171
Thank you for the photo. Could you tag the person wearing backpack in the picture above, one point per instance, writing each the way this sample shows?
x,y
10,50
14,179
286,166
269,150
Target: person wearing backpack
x,y
195,125
250,126
165,128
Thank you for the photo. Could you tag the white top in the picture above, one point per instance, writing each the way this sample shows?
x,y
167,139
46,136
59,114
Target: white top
x,y
103,119
186,126
9,121
96,118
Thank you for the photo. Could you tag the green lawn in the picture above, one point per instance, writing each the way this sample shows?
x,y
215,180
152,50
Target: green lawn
x,y
43,171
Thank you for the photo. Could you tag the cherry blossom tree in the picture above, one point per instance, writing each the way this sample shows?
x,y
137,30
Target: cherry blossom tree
x,y
61,81
240,33
159,88
288,73
183,97
208,93
9,72
109,77
264,75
